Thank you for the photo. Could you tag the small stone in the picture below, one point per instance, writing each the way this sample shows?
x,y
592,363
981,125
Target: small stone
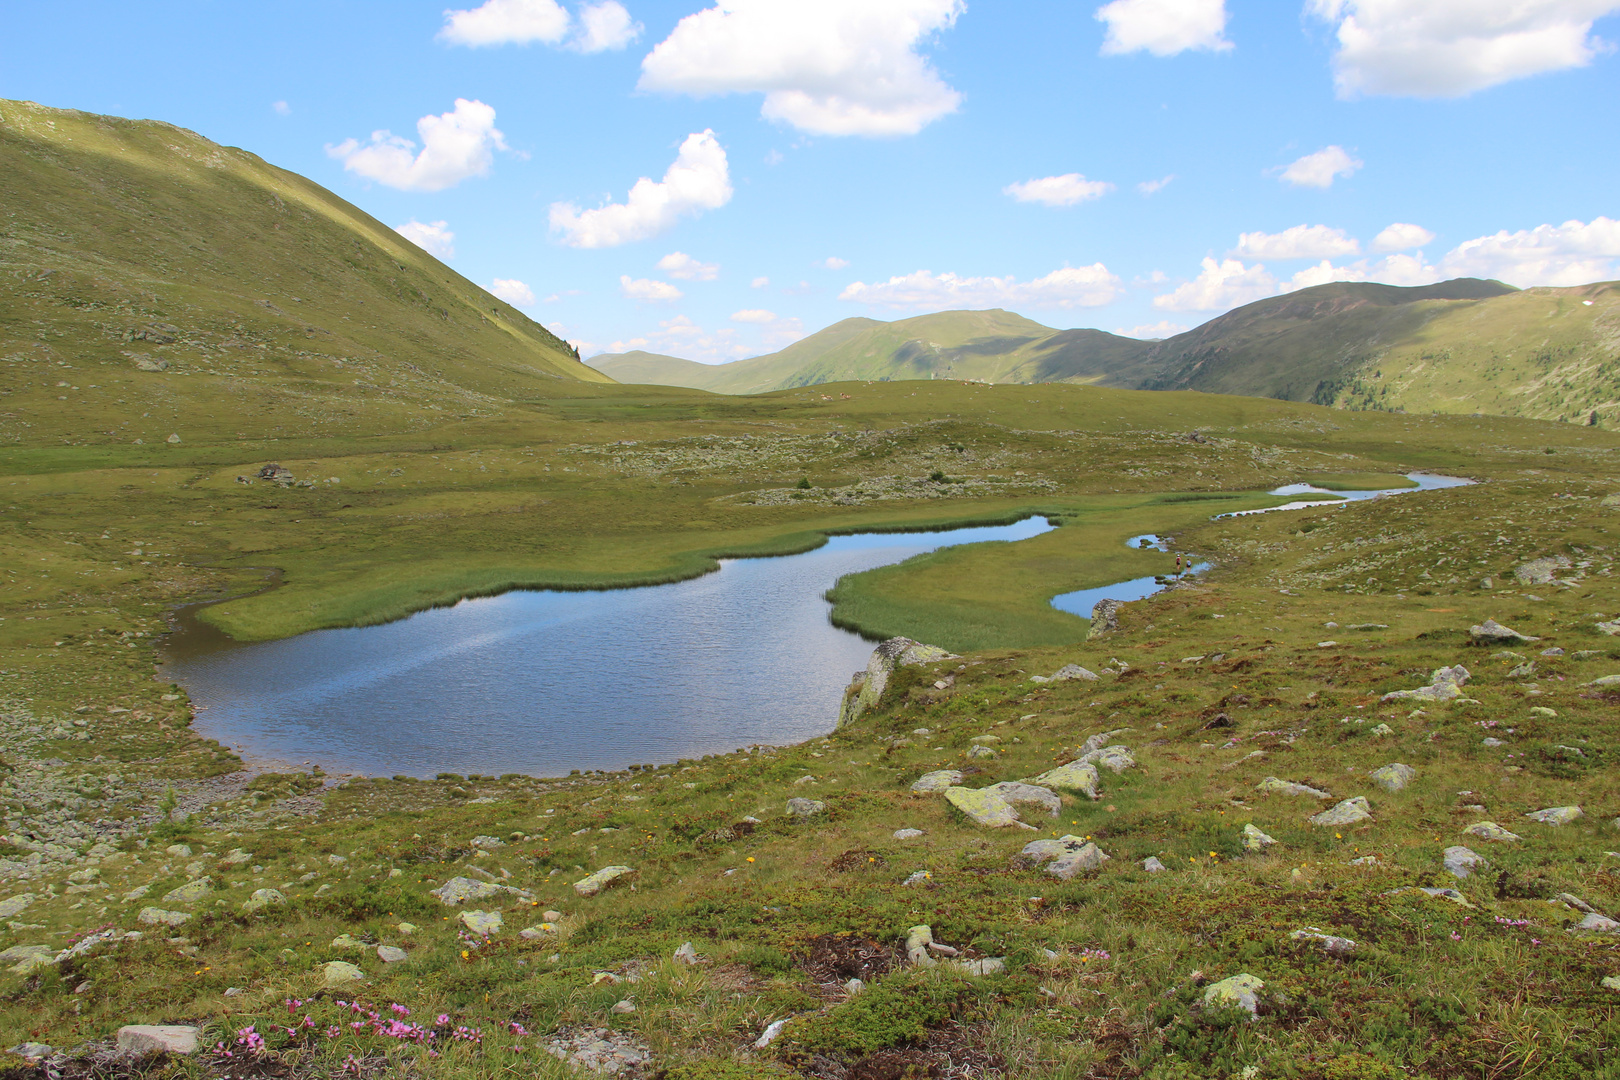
x,y
981,753
1348,812
1610,982
407,928
687,955
918,877
1115,758
1447,894
154,916
1328,943
1491,742
1460,861
483,923
1255,840
907,834
772,1030
1382,731
984,807
1490,830
930,783
1557,815
346,941
853,987
1273,786
1076,778
1239,991
158,1038
623,1008
1393,777
602,879
1152,864
1073,671
459,890
340,973
179,851
34,1051
1598,924
190,892
390,954
803,808
1491,632
261,899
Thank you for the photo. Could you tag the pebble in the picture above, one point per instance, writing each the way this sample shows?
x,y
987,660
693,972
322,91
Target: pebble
x,y
390,954
1152,864
907,834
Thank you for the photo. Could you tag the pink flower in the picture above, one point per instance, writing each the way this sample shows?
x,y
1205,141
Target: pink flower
x,y
444,1018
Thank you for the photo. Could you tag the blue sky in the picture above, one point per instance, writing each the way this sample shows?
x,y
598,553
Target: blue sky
x,y
1138,166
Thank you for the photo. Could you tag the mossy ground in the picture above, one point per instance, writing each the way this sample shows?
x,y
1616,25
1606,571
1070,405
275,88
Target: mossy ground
x,y
1104,972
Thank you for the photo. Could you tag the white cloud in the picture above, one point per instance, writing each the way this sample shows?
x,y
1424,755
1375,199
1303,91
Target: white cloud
x,y
1221,285
1163,27
1065,190
648,291
678,264
281,108
1299,242
832,262
753,315
1401,237
1573,253
699,180
604,26
506,22
783,332
682,337
760,283
1070,287
434,237
1154,331
1319,170
455,146
831,67
514,292
1449,48
1404,270
1153,187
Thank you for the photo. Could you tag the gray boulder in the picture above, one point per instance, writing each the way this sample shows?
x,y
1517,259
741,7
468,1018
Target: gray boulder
x,y
936,781
803,808
1348,812
1461,862
1021,794
1069,855
1393,777
602,879
158,1038
1491,632
1273,786
866,690
1077,778
1445,684
1240,992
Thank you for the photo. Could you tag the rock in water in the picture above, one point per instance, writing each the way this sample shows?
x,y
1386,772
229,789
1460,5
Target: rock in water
x,y
1490,830
1255,840
1491,632
158,1038
1460,862
1393,777
1557,815
866,690
1348,812
1240,991
936,781
1104,618
984,807
1077,778
1273,786
602,879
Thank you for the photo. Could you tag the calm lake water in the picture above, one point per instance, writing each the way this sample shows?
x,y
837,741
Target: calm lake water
x,y
542,682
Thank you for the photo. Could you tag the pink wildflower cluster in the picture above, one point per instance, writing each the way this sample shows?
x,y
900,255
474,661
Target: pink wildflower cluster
x,y
394,1024
1094,955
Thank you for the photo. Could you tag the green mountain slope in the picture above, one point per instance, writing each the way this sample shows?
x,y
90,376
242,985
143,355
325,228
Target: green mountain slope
x,y
655,369
153,281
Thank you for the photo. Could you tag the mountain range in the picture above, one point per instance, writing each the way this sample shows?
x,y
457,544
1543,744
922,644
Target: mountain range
x,y
1459,346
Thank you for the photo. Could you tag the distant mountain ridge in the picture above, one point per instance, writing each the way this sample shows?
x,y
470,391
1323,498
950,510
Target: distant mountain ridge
x,y
1465,345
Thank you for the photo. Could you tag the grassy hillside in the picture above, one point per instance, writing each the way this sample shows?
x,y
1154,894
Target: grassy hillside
x,y
153,283
654,369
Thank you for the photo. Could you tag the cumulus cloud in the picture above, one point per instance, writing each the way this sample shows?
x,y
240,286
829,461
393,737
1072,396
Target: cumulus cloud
x,y
830,67
648,291
513,291
1299,242
604,26
699,180
1401,237
506,22
678,264
1070,287
832,262
1163,27
680,336
1154,331
433,237
1449,48
1573,253
760,283
1153,187
281,108
753,315
456,145
1219,286
1320,169
1065,190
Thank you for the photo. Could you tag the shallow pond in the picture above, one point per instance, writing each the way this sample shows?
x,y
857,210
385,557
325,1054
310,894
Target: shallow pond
x,y
542,682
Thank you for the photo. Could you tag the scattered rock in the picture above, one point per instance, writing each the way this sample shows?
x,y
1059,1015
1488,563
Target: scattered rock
x,y
981,753
1382,731
190,892
907,834
1491,632
866,689
1492,742
1610,982
158,1038
1073,671
803,808
686,954
602,879
1104,618
1076,778
459,890
1273,786
1460,862
930,783
25,959
1021,794
1069,855
1598,923
33,1051
1607,680
1541,571
1348,812
16,905
261,899
623,1008
1328,943
1116,758
1152,864
1445,684
984,807
1557,815
155,916
390,954
1490,830
335,973
348,941
1239,991
772,1030
609,1053
484,923
1255,840
1393,777
918,877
